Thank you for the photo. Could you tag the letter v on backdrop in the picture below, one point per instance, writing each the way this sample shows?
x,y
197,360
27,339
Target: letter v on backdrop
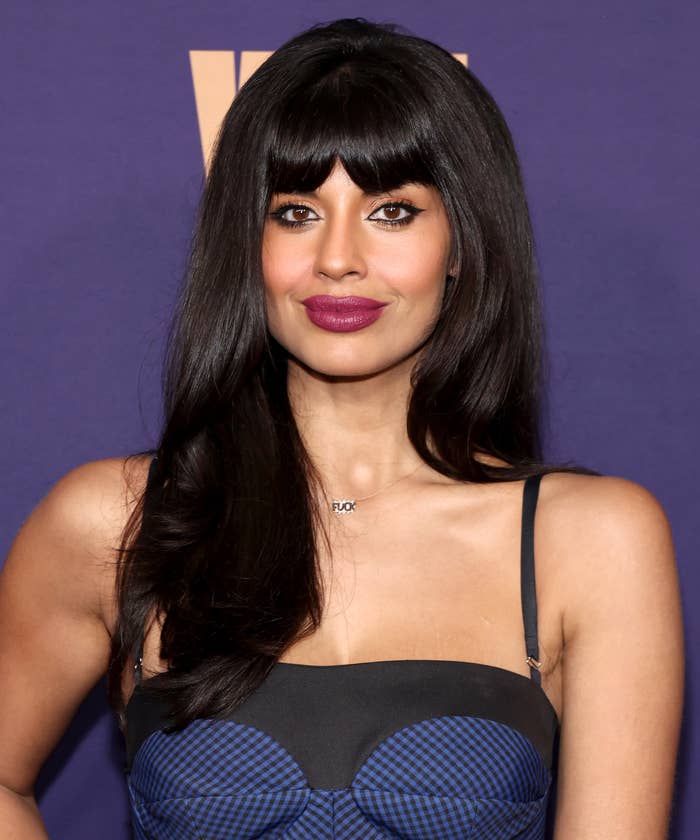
x,y
214,83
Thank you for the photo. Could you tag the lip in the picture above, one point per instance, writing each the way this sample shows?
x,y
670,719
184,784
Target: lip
x,y
349,303
342,314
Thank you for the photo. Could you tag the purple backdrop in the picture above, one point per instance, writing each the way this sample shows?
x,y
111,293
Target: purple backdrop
x,y
102,169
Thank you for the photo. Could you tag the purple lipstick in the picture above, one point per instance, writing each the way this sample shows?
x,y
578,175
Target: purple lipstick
x,y
342,314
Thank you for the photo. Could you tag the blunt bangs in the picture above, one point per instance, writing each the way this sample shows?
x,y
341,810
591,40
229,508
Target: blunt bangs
x,y
364,114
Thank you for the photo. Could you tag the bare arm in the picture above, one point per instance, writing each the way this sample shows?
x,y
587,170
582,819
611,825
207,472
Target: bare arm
x,y
623,665
56,608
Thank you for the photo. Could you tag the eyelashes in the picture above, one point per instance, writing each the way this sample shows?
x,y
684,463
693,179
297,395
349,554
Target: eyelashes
x,y
411,212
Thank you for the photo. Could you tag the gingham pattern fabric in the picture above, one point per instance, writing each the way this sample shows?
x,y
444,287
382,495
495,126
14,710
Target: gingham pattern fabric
x,y
443,778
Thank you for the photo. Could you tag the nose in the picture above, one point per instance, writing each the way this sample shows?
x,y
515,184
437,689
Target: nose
x,y
340,252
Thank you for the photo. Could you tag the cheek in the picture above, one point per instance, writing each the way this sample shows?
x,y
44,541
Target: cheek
x,y
283,270
282,264
417,270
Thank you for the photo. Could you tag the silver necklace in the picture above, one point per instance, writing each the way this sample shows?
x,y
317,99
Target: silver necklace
x,y
341,507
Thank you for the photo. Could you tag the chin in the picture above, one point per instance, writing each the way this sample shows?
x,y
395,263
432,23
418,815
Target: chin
x,y
345,370
349,368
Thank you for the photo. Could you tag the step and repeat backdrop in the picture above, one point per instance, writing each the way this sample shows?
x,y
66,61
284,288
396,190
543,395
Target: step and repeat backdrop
x,y
109,112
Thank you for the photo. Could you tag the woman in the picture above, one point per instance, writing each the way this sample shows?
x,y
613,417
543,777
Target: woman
x,y
322,617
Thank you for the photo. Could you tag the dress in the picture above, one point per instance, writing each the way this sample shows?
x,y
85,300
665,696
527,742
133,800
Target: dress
x,y
404,749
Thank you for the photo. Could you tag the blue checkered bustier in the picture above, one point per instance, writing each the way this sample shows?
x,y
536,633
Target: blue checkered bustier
x,y
411,749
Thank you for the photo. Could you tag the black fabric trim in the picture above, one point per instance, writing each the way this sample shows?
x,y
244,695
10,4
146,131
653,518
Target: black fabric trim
x,y
329,718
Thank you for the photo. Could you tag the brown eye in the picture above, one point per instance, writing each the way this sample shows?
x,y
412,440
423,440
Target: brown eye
x,y
394,213
293,215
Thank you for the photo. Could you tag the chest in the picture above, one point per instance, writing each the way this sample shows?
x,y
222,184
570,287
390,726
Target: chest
x,y
435,576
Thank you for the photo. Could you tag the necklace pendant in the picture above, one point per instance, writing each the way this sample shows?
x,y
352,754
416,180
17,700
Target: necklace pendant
x,y
343,506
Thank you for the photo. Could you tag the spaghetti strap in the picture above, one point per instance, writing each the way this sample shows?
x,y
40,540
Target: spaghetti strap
x,y
147,504
527,575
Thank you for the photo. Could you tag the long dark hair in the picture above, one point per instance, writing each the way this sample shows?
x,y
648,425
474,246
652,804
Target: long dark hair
x,y
226,552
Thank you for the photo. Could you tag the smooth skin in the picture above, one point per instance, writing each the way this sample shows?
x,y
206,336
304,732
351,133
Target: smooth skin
x,y
428,568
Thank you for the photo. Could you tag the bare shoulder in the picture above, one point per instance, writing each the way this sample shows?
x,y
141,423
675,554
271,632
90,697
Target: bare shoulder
x,y
99,489
603,506
73,534
610,539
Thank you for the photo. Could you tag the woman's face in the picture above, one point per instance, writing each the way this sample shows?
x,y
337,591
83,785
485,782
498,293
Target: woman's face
x,y
354,282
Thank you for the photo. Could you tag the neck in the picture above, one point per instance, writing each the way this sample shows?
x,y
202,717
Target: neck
x,y
354,428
